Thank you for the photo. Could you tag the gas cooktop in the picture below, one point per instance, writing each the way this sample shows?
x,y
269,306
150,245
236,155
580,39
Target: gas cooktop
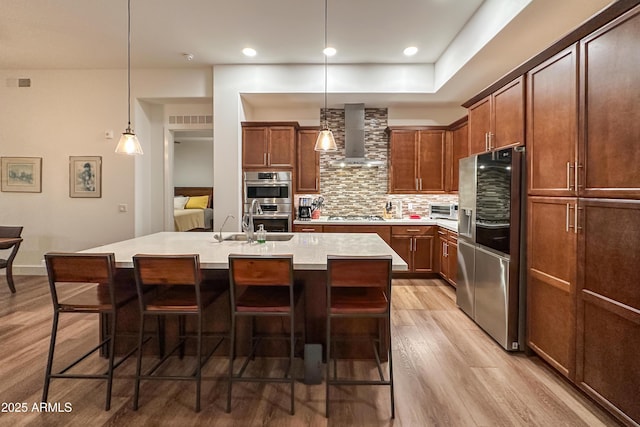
x,y
356,218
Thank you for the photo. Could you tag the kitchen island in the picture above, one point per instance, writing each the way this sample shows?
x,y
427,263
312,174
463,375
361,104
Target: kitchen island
x,y
309,263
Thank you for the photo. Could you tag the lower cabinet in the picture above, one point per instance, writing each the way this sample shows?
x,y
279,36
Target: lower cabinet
x,y
448,255
415,244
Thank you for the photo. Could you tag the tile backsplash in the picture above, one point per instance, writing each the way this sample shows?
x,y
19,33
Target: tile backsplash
x,y
363,190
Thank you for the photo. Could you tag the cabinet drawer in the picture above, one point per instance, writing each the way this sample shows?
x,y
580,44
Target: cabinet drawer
x,y
452,236
415,230
307,228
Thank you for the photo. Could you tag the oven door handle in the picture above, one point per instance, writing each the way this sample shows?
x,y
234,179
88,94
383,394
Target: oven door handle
x,y
274,216
267,184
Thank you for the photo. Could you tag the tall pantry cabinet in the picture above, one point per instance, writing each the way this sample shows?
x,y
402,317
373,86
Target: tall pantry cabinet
x,y
583,143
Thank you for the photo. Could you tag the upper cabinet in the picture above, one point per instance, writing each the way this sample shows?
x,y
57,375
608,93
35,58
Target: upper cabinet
x,y
497,121
268,145
417,159
609,110
457,148
552,125
308,162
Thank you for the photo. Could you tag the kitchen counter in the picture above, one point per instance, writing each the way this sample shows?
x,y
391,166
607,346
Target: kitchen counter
x,y
309,250
449,224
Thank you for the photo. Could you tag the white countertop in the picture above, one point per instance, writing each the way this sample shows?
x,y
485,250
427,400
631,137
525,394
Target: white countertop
x,y
309,250
449,224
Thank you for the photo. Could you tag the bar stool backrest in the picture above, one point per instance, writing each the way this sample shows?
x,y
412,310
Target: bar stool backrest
x,y
83,270
359,271
9,231
268,270
168,270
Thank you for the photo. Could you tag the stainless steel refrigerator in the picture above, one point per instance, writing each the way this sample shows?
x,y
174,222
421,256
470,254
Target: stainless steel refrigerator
x,y
489,288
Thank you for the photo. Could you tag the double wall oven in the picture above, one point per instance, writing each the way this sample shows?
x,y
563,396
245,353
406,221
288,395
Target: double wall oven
x,y
273,191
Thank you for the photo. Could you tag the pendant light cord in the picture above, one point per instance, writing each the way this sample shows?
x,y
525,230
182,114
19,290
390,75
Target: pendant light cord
x,y
326,126
129,63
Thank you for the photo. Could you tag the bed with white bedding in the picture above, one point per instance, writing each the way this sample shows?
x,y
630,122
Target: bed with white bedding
x,y
193,208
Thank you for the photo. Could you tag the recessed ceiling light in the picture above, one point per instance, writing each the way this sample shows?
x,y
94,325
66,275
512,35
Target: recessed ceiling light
x,y
411,50
329,51
247,51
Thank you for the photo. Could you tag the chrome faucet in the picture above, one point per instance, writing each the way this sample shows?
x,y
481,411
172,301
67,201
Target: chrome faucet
x,y
247,221
219,236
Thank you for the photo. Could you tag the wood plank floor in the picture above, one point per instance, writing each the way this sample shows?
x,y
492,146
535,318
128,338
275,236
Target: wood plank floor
x,y
447,373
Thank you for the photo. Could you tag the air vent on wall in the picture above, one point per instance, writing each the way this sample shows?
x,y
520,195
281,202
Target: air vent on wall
x,y
191,120
24,82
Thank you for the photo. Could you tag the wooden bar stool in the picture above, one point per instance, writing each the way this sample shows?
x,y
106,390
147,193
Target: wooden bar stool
x,y
359,287
92,275
179,292
262,286
10,239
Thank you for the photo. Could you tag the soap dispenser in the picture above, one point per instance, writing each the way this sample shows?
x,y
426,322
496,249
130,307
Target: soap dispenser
x,y
261,234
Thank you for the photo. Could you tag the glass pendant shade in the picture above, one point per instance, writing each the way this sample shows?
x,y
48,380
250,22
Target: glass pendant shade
x,y
325,141
129,143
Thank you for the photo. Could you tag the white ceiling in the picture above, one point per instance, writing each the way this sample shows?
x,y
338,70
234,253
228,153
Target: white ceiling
x,y
89,34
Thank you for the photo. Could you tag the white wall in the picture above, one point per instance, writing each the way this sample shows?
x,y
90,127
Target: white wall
x,y
192,166
65,113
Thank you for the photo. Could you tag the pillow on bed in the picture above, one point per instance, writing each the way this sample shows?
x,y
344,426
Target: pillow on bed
x,y
179,202
197,202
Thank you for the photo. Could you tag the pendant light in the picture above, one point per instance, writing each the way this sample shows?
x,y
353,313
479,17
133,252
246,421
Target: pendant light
x,y
325,141
129,143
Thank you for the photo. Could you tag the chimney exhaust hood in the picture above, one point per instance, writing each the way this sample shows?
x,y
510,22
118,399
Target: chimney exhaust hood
x,y
354,139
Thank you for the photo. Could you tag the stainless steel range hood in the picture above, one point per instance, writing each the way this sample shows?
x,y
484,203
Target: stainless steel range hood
x,y
354,139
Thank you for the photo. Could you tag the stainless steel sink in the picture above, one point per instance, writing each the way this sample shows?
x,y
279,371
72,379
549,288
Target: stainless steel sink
x,y
271,237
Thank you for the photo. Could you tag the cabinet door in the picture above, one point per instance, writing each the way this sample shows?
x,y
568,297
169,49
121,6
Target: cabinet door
x,y
442,256
479,126
508,116
281,151
551,281
458,149
254,147
452,255
610,95
552,115
424,254
308,164
403,174
403,246
431,161
608,303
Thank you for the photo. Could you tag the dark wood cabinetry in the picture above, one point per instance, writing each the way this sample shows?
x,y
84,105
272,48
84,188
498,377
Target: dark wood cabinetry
x,y
457,148
497,121
417,158
448,255
609,113
268,145
608,304
297,228
416,246
551,280
583,250
552,125
307,162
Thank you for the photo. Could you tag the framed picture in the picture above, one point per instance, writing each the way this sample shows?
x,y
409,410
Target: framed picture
x,y
85,176
21,174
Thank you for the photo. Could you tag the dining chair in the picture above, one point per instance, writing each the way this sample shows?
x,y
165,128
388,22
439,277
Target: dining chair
x,y
262,286
80,284
359,287
10,239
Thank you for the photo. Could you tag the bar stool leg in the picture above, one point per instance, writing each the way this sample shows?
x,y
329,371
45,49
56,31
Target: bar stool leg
x,y
52,345
232,356
393,406
112,351
292,340
198,361
136,393
328,358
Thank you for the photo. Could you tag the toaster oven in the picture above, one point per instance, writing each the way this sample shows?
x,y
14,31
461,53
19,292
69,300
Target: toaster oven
x,y
445,211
